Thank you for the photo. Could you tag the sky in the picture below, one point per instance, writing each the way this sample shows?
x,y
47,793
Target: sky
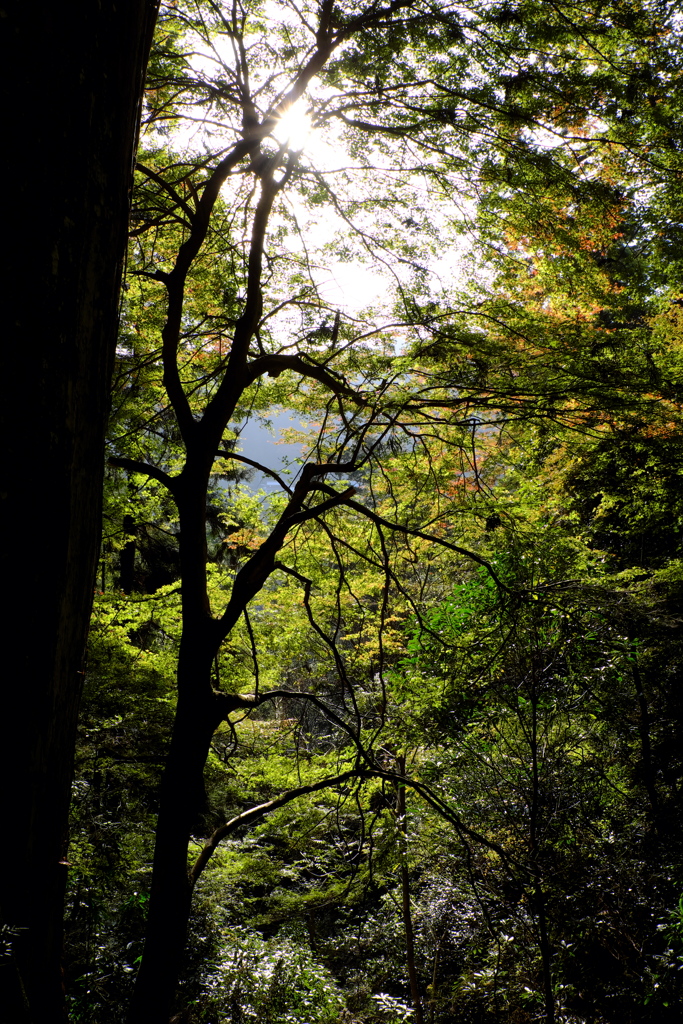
x,y
348,283
266,446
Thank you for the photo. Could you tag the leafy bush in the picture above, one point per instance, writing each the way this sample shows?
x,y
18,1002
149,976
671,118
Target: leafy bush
x,y
273,981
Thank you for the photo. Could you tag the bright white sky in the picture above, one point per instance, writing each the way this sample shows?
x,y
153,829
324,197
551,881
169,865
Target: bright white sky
x,y
347,285
350,285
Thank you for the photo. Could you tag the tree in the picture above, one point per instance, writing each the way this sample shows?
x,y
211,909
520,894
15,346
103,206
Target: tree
x,y
571,368
227,297
225,317
72,101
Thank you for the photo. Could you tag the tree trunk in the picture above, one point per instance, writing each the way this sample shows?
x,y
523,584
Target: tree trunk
x,y
405,893
71,94
534,849
181,800
127,557
644,725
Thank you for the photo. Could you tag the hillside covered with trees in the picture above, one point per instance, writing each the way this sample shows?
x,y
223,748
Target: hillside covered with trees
x,y
390,730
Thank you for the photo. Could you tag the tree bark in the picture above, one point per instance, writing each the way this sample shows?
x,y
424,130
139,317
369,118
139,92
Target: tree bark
x,y
644,726
405,894
71,94
534,851
197,716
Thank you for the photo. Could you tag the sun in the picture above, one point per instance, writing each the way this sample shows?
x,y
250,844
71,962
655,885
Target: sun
x,y
293,129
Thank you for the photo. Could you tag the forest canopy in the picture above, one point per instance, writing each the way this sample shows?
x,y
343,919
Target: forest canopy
x,y
384,724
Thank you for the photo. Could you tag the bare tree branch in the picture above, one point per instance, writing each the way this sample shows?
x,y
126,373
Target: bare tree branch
x,y
255,813
133,466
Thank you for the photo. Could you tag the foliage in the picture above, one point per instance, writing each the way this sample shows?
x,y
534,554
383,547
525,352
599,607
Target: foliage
x,y
429,681
272,980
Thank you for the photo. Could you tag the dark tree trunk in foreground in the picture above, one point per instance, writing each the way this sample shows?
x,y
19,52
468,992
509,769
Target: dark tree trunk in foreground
x,y
72,83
